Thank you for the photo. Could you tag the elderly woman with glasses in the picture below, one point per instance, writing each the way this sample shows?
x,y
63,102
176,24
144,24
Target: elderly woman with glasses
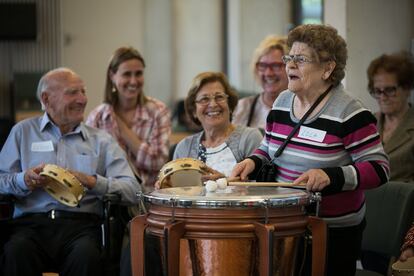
x,y
221,144
210,103
335,149
390,80
269,72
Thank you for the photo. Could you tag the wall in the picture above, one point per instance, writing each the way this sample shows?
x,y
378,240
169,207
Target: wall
x,y
197,41
30,56
91,31
158,49
180,38
372,27
176,42
250,22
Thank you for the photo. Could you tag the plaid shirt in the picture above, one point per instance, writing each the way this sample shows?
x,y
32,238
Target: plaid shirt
x,y
409,239
152,124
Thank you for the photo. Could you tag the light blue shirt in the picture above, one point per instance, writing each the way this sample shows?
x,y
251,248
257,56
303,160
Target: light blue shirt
x,y
86,149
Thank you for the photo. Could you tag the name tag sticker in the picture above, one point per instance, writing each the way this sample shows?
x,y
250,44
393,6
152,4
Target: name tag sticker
x,y
312,134
42,146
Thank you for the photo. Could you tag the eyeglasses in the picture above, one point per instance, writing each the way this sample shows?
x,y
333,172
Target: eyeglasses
x,y
297,59
275,66
218,98
389,91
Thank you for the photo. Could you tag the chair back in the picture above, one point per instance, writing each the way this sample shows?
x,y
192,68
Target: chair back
x,y
390,212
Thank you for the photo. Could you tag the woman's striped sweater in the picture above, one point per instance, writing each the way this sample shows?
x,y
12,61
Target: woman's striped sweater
x,y
350,153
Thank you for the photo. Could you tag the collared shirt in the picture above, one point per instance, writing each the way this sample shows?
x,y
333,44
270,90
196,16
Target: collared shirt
x,y
87,150
152,125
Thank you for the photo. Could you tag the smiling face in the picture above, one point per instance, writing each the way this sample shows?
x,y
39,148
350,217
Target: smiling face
x,y
213,114
129,80
390,105
65,100
271,74
307,76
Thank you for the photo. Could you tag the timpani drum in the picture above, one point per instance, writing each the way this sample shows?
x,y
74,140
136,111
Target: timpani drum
x,y
234,231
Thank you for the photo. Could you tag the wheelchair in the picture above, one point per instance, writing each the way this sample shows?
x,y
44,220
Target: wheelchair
x,y
115,218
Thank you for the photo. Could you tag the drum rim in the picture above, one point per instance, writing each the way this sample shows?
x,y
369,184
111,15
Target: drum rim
x,y
300,198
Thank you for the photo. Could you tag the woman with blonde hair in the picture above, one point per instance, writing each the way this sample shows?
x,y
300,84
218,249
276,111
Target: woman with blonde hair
x,y
269,72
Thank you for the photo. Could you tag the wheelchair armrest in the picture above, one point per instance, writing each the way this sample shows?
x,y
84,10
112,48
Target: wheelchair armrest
x,y
112,198
6,206
114,225
6,199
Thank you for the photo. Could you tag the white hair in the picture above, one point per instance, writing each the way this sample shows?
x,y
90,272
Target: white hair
x,y
44,82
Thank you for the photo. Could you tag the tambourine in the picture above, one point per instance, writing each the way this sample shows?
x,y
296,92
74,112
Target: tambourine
x,y
403,268
182,172
62,185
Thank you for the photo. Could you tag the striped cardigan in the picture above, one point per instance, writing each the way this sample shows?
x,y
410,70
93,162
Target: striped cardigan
x,y
350,153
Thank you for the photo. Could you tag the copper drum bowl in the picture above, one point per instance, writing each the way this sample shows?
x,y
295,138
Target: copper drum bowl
x,y
62,185
224,233
403,268
181,172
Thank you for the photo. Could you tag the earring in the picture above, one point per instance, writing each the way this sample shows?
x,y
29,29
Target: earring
x,y
113,89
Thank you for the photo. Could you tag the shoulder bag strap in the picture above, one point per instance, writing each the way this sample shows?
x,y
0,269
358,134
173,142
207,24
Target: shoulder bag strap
x,y
249,121
314,105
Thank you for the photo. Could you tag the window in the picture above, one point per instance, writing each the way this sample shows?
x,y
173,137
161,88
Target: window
x,y
307,12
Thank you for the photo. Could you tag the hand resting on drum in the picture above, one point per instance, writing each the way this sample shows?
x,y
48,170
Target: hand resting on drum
x,y
243,169
315,180
210,174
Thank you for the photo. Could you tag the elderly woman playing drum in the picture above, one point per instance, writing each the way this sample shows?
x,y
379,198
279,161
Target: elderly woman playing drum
x,y
221,144
337,150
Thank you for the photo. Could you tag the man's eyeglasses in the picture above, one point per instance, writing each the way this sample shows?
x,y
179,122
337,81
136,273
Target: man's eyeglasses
x,y
218,98
275,66
297,59
389,91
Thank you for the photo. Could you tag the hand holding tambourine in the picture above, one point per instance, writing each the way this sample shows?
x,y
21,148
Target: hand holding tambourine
x,y
185,172
63,185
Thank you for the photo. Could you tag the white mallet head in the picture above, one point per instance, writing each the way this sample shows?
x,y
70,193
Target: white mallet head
x,y
222,183
211,185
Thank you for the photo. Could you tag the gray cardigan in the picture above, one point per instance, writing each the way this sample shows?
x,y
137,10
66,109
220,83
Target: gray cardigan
x,y
242,142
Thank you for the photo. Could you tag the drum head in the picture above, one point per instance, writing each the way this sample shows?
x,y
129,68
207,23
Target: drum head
x,y
62,185
403,268
232,196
